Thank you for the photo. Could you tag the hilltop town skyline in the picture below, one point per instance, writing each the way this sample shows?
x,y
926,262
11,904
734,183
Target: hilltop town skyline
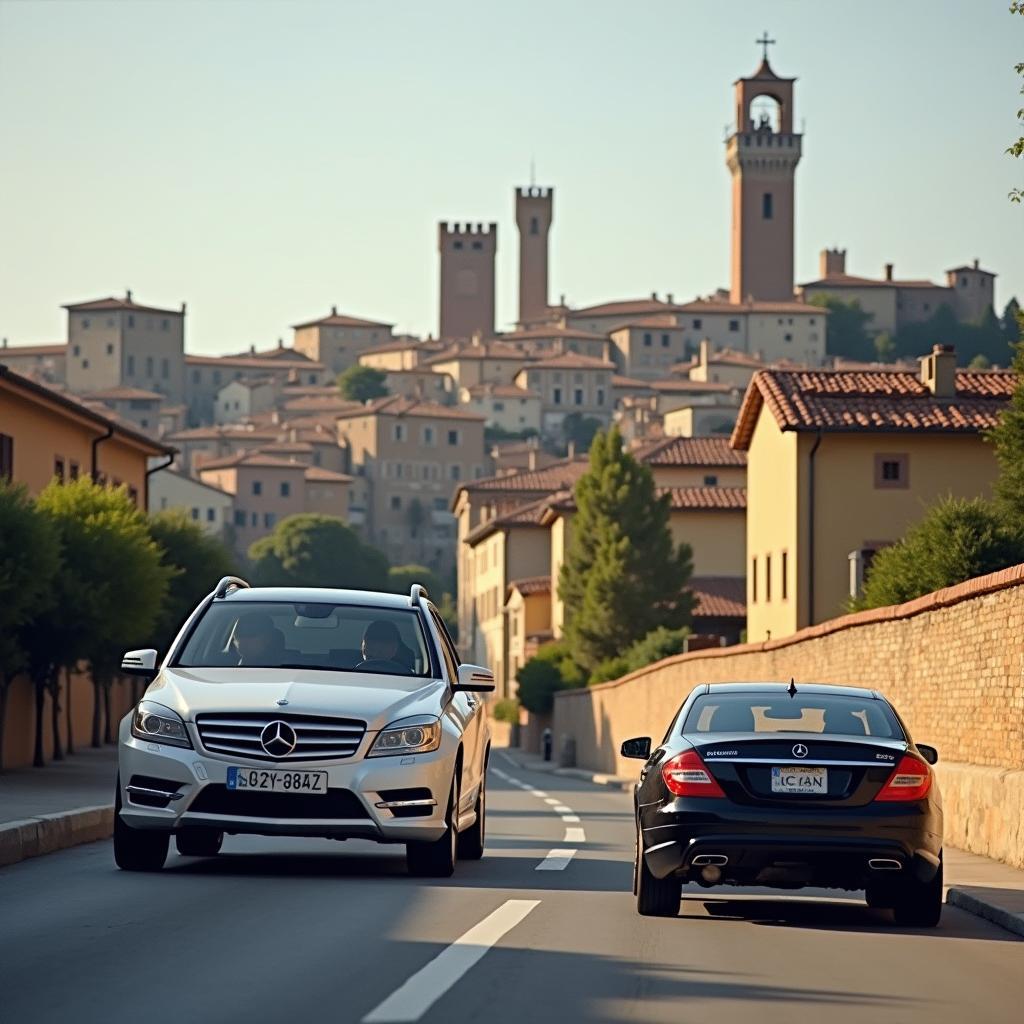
x,y
645,211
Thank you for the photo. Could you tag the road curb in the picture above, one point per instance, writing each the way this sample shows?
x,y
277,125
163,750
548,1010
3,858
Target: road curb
x,y
974,902
47,833
549,768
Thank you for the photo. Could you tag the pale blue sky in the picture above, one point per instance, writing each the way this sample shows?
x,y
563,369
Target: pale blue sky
x,y
264,161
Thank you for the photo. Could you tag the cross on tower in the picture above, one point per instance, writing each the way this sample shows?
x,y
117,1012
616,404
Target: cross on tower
x,y
765,42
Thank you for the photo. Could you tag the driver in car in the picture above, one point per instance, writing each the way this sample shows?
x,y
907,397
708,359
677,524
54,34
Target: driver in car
x,y
256,638
380,647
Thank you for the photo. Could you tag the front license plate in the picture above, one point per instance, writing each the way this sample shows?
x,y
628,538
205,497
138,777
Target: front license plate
x,y
802,779
277,781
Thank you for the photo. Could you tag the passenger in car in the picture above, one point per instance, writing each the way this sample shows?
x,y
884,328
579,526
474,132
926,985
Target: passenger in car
x,y
257,640
380,647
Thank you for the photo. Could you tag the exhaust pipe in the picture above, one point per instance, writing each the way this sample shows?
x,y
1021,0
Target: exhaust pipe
x,y
884,864
709,860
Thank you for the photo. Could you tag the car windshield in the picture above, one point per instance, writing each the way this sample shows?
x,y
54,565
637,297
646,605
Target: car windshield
x,y
823,713
333,637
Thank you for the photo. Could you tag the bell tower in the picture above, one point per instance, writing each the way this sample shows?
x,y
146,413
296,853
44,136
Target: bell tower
x,y
534,213
762,154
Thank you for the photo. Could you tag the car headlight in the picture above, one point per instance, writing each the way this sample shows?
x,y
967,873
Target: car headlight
x,y
407,736
154,722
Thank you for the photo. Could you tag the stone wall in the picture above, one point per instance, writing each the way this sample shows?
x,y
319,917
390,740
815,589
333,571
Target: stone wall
x,y
952,662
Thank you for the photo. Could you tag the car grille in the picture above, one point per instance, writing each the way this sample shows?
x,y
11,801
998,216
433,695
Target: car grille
x,y
316,738
335,803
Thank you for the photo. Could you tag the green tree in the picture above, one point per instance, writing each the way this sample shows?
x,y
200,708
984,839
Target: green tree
x,y
1009,321
979,362
402,577
622,576
362,383
108,594
957,540
309,550
1007,437
29,561
885,347
846,333
580,430
659,643
506,710
196,561
550,670
1016,149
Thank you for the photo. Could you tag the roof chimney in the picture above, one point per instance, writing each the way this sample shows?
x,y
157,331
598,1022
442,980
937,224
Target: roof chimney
x,y
334,310
668,298
531,459
183,307
252,350
705,352
5,343
127,295
280,342
938,371
654,296
571,450
478,339
977,264
888,271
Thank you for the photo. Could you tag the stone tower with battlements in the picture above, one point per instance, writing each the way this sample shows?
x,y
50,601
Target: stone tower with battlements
x,y
534,213
762,154
467,278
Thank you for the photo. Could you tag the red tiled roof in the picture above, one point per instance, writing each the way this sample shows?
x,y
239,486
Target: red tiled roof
x,y
336,319
125,303
691,451
500,391
319,475
879,401
405,344
571,361
59,349
402,405
254,362
850,281
120,394
624,307
530,585
489,349
286,448
251,458
619,381
710,498
719,597
321,403
552,331
556,477
277,352
657,320
751,306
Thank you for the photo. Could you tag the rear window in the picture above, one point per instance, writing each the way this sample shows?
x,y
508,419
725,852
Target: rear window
x,y
826,714
336,637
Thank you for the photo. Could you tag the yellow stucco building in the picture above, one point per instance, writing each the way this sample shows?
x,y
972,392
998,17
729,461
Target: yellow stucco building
x,y
840,463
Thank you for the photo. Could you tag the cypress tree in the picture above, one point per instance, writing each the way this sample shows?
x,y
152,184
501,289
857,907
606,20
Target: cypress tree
x,y
622,576
1008,440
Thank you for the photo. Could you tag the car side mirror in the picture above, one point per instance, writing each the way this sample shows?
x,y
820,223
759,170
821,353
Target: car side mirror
x,y
638,747
475,679
140,663
930,754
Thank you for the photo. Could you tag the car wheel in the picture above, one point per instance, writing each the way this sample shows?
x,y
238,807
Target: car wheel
x,y
655,897
471,842
919,904
137,849
436,859
199,842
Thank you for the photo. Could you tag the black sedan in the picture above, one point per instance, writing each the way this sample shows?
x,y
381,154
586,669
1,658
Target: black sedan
x,y
789,786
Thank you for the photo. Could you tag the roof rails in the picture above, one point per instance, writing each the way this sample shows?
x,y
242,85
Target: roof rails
x,y
417,594
229,583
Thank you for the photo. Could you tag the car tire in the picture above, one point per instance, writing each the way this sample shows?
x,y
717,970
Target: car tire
x,y
655,897
199,842
471,842
880,895
919,904
436,859
137,849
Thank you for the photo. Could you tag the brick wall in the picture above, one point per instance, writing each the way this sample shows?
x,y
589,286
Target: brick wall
x,y
952,662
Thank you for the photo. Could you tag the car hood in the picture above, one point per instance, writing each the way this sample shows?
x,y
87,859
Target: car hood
x,y
375,699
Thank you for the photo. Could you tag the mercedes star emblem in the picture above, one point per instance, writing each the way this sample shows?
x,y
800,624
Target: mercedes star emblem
x,y
282,702
799,750
278,739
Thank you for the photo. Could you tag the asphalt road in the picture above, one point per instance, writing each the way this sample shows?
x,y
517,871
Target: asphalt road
x,y
295,931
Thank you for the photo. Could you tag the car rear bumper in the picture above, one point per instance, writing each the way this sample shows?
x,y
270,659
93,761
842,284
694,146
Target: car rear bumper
x,y
747,846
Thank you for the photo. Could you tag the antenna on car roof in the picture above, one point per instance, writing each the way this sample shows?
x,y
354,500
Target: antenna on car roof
x,y
792,687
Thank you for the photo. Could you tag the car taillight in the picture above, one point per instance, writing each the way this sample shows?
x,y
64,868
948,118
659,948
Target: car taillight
x,y
685,775
910,781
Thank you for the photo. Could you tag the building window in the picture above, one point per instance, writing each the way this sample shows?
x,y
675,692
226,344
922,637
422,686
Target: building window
x,y
239,517
195,514
710,480
647,341
766,206
892,471
73,470
398,432
195,375
734,326
165,368
211,515
149,366
455,471
697,324
396,502
577,396
131,366
453,437
286,489
753,580
164,325
664,341
58,468
76,350
131,320
788,337
428,435
268,520
110,349
85,323
478,245
600,396
216,377
456,245
255,519
257,487
785,575
556,396
767,577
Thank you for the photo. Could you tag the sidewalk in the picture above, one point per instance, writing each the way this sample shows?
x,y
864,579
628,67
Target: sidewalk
x,y
66,803
983,887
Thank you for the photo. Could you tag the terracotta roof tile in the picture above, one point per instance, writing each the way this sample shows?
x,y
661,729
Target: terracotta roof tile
x,y
719,597
558,476
320,475
59,349
873,401
123,393
851,281
625,307
126,303
530,585
571,361
709,498
691,451
336,319
252,362
401,405
552,331
751,306
251,458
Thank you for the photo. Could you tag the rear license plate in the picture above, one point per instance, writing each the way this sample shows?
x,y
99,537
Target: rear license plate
x,y
277,781
802,779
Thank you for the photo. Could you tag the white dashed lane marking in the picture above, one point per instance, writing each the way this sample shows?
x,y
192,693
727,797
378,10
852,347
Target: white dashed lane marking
x,y
556,860
575,835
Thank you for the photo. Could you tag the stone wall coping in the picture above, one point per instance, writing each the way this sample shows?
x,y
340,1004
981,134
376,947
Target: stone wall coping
x,y
1004,579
